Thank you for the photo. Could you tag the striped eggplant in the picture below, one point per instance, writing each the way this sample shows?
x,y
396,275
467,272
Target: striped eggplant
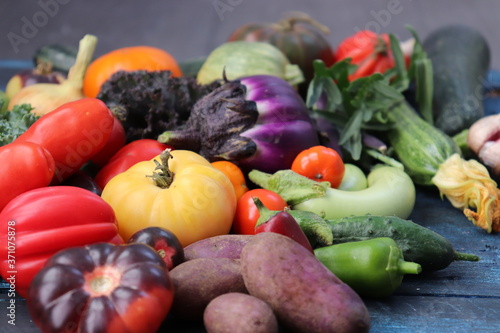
x,y
259,122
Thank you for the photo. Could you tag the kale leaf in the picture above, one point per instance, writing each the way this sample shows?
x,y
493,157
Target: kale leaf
x,y
15,122
152,102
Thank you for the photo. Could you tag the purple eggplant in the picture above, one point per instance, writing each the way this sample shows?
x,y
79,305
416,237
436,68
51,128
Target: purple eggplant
x,y
258,122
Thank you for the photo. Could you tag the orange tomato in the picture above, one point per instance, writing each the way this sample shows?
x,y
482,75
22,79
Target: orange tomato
x,y
235,175
320,163
247,213
128,59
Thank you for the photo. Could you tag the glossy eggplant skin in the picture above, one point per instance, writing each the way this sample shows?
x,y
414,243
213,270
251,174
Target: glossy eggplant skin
x,y
101,288
164,242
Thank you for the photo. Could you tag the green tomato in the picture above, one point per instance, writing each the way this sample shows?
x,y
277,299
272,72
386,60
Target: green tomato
x,y
354,179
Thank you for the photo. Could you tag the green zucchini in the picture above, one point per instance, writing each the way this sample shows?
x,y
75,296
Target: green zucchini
x,y
4,101
418,243
419,146
61,56
191,67
460,57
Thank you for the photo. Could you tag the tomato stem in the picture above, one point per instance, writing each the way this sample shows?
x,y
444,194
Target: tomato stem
x,y
301,17
164,176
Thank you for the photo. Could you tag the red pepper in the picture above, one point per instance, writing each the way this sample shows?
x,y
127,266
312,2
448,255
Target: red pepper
x,y
115,142
280,222
102,288
73,133
25,166
40,222
130,154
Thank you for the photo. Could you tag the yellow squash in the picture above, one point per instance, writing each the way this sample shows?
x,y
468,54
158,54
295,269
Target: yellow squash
x,y
178,190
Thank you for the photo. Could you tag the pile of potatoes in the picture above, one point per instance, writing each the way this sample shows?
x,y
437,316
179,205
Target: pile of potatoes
x,y
262,283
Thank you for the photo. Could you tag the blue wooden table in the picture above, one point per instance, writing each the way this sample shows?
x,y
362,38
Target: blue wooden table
x,y
464,297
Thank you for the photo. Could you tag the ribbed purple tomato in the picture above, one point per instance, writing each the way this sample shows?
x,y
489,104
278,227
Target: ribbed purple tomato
x,y
101,288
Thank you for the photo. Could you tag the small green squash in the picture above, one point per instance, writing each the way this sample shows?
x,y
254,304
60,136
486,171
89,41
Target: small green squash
x,y
60,56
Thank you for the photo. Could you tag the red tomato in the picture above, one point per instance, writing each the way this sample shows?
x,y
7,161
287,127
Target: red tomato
x,y
247,214
40,222
128,155
25,166
320,163
370,51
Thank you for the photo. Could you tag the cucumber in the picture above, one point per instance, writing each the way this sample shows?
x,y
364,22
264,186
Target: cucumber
x,y
419,244
62,57
460,57
419,146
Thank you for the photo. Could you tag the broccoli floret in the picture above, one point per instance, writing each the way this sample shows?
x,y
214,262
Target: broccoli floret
x,y
152,102
15,122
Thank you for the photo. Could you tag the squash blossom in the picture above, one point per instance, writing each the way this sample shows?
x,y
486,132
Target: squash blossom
x,y
468,185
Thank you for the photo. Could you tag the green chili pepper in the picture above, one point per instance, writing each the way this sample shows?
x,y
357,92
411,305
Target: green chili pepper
x,y
373,268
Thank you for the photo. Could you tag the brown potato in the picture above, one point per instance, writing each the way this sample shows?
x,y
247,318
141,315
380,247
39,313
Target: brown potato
x,y
198,281
222,246
303,293
238,312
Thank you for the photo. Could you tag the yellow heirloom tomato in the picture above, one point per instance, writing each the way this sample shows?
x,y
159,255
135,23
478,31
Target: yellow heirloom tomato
x,y
178,190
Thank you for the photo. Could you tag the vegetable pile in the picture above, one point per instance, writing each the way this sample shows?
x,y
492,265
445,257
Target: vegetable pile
x,y
160,196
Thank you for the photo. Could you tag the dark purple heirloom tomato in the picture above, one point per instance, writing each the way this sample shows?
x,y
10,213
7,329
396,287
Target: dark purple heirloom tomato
x,y
164,242
101,288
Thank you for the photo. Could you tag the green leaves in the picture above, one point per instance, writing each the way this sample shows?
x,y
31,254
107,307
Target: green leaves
x,y
365,103
15,122
361,104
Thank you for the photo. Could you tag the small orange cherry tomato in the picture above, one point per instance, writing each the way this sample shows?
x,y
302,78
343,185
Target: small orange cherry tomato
x,y
235,175
320,163
247,214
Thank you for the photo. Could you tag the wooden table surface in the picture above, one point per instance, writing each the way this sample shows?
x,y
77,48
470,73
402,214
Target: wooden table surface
x,y
464,297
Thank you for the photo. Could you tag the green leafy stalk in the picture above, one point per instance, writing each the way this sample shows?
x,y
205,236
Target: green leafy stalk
x,y
362,104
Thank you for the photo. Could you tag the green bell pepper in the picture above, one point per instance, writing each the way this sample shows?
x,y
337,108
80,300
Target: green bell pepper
x,y
373,268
